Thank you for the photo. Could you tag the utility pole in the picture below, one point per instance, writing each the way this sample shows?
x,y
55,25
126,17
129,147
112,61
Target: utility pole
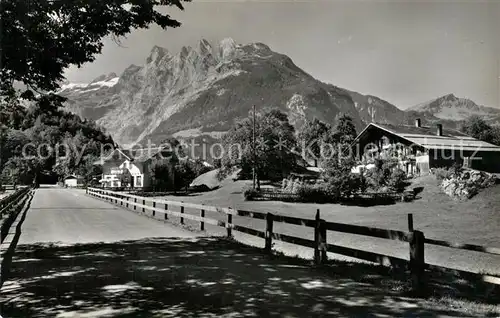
x,y
2,139
254,151
1,151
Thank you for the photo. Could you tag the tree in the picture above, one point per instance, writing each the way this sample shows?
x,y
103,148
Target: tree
x,y
23,170
199,167
339,161
161,170
275,141
339,180
36,50
478,128
344,131
40,39
185,174
311,135
495,135
87,169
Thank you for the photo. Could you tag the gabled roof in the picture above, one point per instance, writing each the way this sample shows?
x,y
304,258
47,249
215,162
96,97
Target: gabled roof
x,y
73,177
426,137
136,155
144,154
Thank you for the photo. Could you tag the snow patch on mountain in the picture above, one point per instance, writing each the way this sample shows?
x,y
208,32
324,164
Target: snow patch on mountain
x,y
73,86
221,91
88,87
196,132
109,83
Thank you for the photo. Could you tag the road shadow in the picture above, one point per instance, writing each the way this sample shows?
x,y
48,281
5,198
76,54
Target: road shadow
x,y
208,277
5,263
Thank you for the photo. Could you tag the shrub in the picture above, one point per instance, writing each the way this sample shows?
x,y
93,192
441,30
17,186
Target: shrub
x,y
250,194
443,173
313,193
397,180
291,185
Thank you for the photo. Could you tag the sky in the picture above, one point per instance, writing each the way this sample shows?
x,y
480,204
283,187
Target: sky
x,y
406,52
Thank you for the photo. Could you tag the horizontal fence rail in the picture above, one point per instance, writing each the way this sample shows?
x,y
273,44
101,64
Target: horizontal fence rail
x,y
7,202
468,247
9,208
415,239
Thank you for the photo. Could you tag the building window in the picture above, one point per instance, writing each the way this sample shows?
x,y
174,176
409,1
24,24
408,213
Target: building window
x,y
385,141
138,181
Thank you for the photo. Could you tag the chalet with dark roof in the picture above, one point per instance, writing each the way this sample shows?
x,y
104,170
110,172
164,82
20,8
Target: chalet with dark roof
x,y
130,168
421,148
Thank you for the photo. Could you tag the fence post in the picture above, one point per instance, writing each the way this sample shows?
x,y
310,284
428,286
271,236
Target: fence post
x,y
229,225
269,233
320,249
202,223
182,212
410,222
316,239
417,261
154,207
166,209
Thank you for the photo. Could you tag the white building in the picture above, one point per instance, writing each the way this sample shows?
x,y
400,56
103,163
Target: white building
x,y
73,181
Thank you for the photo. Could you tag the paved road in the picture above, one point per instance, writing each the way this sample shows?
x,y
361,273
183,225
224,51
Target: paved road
x,y
69,216
147,268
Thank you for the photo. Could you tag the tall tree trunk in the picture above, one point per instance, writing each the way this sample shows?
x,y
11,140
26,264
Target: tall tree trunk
x,y
258,180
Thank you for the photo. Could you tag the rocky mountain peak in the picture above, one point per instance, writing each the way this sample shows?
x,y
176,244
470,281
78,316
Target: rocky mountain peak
x,y
204,47
157,54
104,78
204,90
451,107
227,48
449,97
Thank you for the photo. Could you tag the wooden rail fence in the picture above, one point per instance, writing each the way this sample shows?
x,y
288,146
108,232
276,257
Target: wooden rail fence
x,y
9,207
414,238
6,187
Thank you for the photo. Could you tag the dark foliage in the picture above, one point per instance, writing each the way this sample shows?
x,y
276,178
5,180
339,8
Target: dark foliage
x,y
478,128
250,194
314,194
398,180
275,141
43,139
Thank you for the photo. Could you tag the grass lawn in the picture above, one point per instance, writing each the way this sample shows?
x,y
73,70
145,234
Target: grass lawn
x,y
476,221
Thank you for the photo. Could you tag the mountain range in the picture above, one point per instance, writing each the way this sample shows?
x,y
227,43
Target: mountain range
x,y
204,90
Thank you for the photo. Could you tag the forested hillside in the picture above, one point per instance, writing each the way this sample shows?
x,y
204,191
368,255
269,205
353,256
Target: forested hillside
x,y
43,142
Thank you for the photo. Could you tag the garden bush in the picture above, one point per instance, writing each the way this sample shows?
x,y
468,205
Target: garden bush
x,y
443,173
397,181
250,194
317,193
